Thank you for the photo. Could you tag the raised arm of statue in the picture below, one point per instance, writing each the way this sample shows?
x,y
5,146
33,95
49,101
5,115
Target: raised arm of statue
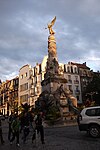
x,y
50,26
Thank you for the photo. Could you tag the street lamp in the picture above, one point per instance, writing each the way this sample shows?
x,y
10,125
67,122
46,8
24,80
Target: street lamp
x,y
91,94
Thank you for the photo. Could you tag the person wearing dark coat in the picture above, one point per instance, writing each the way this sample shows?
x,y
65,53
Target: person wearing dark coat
x,y
15,130
39,126
11,118
25,124
1,134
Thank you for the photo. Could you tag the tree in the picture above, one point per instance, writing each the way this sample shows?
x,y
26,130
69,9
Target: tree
x,y
93,89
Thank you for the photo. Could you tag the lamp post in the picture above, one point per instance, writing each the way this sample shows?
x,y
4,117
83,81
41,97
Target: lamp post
x,y
91,94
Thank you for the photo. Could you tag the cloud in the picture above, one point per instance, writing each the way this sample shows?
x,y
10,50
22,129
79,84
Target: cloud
x,y
23,37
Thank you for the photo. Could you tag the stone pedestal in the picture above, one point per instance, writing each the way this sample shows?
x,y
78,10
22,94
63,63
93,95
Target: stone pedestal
x,y
52,78
53,82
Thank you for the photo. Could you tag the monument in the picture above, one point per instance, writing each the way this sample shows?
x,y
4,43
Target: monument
x,y
54,85
53,79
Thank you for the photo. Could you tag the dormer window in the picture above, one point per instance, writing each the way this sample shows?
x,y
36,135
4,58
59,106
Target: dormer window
x,y
75,70
68,69
26,74
22,76
71,69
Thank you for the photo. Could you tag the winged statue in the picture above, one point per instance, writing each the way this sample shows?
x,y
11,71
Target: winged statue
x,y
50,26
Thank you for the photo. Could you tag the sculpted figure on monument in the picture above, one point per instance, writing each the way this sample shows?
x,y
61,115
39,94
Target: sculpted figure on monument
x,y
50,26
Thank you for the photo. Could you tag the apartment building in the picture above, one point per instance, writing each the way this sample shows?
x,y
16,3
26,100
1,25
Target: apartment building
x,y
85,76
30,82
25,80
9,96
73,80
27,86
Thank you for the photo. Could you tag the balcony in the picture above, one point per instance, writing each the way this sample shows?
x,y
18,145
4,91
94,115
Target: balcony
x,y
76,81
69,81
77,92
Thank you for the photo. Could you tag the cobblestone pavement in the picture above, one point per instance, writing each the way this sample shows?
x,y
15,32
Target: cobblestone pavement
x,y
66,137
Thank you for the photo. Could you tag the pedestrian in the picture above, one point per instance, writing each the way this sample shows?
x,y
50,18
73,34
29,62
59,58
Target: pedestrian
x,y
34,135
21,122
25,124
39,126
11,117
1,135
15,129
34,128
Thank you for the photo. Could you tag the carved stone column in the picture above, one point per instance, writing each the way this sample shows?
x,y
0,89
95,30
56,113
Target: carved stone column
x,y
52,62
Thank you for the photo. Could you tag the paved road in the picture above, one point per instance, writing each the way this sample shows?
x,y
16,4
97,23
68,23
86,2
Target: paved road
x,y
56,138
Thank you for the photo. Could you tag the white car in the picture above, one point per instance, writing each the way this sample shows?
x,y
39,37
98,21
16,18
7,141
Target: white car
x,y
89,120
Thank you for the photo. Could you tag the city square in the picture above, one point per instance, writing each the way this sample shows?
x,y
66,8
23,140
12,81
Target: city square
x,y
49,75
56,138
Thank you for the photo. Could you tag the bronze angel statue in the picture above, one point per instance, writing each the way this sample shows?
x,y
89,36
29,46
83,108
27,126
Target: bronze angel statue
x,y
50,26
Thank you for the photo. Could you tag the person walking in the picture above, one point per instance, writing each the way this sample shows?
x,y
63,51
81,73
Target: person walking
x,y
15,129
39,126
25,123
11,117
1,136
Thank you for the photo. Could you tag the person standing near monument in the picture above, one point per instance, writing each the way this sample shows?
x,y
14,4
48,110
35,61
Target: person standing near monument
x,y
15,129
11,117
1,134
39,126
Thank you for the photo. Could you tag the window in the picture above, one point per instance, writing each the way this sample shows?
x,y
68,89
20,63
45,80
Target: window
x,y
69,77
14,82
24,87
75,70
26,74
84,73
24,98
68,69
64,68
77,88
35,79
22,76
17,81
32,91
37,89
90,112
93,112
40,68
97,112
71,69
76,78
34,72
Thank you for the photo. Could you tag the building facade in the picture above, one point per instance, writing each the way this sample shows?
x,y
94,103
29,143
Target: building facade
x,y
30,82
73,80
9,96
85,76
27,86
25,81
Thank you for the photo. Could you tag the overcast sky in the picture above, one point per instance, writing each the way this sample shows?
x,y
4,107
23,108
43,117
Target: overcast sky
x,y
23,37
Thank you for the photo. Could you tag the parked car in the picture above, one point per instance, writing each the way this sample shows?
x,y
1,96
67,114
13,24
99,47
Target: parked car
x,y
89,120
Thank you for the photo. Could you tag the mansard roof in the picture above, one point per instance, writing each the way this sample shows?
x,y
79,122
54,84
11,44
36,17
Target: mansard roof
x,y
83,66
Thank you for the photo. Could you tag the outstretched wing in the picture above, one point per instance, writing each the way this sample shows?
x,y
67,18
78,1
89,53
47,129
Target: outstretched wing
x,y
53,21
